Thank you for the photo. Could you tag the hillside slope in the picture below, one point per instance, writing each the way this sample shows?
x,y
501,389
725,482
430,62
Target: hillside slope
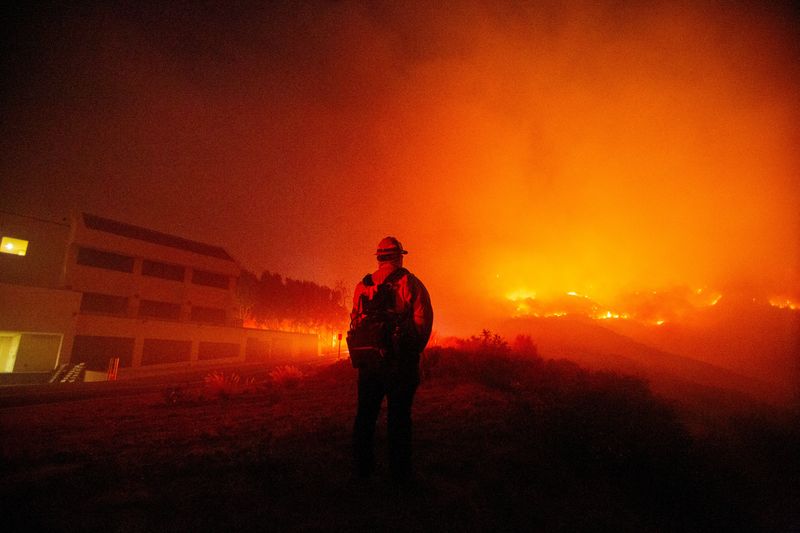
x,y
591,344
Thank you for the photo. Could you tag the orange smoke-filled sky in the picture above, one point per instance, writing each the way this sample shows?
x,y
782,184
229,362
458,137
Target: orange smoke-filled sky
x,y
590,147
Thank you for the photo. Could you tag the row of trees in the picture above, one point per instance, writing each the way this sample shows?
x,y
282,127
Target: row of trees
x,y
274,302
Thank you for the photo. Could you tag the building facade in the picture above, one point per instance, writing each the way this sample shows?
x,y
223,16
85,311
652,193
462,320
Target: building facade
x,y
93,289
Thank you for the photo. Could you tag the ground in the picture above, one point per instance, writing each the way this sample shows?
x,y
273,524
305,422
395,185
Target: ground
x,y
552,448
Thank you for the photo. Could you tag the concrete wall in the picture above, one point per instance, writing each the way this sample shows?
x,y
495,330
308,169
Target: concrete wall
x,y
35,311
276,346
43,264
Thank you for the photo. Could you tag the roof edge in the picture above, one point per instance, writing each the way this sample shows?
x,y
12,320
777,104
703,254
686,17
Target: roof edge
x,y
130,231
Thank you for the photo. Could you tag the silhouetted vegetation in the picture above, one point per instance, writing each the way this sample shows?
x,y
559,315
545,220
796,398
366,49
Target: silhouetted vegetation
x,y
504,440
274,302
286,376
223,385
564,427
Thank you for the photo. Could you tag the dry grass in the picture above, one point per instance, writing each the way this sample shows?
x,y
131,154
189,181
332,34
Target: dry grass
x,y
504,443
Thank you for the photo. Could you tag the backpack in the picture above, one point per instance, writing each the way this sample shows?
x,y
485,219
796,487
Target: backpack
x,y
375,332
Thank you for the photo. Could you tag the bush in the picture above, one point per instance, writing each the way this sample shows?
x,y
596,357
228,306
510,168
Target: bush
x,y
563,425
487,343
523,346
486,359
222,385
288,376
500,371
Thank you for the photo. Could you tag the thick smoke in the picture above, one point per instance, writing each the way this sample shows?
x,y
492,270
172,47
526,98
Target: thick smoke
x,y
553,147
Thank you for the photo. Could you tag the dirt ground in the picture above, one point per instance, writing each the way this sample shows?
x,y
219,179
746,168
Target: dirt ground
x,y
276,457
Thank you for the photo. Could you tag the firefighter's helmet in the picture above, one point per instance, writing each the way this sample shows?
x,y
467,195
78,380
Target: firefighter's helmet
x,y
390,246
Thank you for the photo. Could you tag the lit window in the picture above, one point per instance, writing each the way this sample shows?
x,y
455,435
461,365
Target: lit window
x,y
13,246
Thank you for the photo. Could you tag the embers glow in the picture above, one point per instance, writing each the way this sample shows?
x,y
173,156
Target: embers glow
x,y
649,307
783,302
611,315
521,294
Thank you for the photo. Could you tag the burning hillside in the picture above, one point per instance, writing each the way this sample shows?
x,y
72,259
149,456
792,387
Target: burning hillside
x,y
752,342
648,307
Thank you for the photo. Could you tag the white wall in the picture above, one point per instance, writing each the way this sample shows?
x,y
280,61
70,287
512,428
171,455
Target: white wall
x,y
37,310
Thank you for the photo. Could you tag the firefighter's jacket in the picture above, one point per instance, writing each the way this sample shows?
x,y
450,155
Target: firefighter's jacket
x,y
411,299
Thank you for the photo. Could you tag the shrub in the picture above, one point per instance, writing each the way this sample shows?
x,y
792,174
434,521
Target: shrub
x,y
523,346
504,372
486,359
487,343
288,376
222,385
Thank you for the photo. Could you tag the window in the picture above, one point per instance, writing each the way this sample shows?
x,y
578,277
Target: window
x,y
92,302
155,309
209,315
160,351
10,245
107,260
95,351
217,350
163,270
210,279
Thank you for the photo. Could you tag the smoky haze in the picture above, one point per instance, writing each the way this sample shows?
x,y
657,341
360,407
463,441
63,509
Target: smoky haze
x,y
550,148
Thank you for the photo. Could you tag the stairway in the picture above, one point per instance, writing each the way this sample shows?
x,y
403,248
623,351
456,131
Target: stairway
x,y
59,373
69,373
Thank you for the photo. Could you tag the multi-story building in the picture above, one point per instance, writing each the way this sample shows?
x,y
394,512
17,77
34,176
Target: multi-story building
x,y
92,289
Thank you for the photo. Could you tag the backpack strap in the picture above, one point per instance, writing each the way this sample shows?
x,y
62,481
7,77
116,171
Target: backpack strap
x,y
395,276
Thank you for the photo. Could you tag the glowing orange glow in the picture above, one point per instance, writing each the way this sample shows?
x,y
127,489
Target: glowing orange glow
x,y
784,303
633,163
648,307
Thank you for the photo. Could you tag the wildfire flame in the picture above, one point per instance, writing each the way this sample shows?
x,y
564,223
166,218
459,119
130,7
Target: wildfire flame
x,y
783,302
650,307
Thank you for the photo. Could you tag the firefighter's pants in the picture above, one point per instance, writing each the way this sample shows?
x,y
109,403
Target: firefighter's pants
x,y
399,391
